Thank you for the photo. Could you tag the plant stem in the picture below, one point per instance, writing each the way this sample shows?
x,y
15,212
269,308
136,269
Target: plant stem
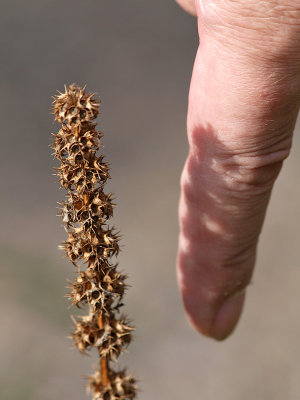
x,y
103,360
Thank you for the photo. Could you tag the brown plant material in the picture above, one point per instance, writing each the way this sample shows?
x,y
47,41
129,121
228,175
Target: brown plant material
x,y
91,243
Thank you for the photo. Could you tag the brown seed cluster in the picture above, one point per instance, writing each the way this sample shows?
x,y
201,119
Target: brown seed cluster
x,y
91,243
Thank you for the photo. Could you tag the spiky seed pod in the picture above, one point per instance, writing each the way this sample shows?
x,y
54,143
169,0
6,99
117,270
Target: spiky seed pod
x,y
91,243
122,387
110,341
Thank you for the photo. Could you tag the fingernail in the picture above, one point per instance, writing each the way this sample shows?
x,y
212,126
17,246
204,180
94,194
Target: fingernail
x,y
227,317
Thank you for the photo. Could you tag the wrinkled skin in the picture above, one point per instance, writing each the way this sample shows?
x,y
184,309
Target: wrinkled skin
x,y
243,105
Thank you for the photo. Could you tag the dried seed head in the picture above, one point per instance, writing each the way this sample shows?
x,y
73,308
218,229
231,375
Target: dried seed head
x,y
91,242
117,336
74,107
122,387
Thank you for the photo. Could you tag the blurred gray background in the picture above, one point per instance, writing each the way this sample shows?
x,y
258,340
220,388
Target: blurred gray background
x,y
138,55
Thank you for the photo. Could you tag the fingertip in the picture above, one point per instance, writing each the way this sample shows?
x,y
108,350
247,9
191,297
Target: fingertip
x,y
220,323
227,317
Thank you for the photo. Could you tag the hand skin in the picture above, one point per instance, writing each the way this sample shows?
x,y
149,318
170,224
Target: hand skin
x,y
243,104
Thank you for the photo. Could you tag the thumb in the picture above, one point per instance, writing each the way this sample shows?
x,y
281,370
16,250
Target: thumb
x,y
243,106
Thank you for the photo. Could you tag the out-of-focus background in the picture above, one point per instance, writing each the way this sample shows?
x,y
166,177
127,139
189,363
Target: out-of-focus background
x,y
138,54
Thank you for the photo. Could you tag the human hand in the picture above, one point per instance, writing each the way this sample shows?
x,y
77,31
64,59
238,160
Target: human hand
x,y
243,104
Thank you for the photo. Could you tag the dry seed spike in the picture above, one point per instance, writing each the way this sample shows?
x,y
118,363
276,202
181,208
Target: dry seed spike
x,y
91,242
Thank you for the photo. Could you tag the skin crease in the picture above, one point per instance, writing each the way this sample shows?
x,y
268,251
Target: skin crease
x,y
243,105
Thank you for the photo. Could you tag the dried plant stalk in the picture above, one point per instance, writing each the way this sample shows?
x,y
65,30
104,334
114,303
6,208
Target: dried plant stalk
x,y
91,243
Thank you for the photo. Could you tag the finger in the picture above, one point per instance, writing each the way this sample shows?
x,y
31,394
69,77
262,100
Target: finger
x,y
188,5
242,111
